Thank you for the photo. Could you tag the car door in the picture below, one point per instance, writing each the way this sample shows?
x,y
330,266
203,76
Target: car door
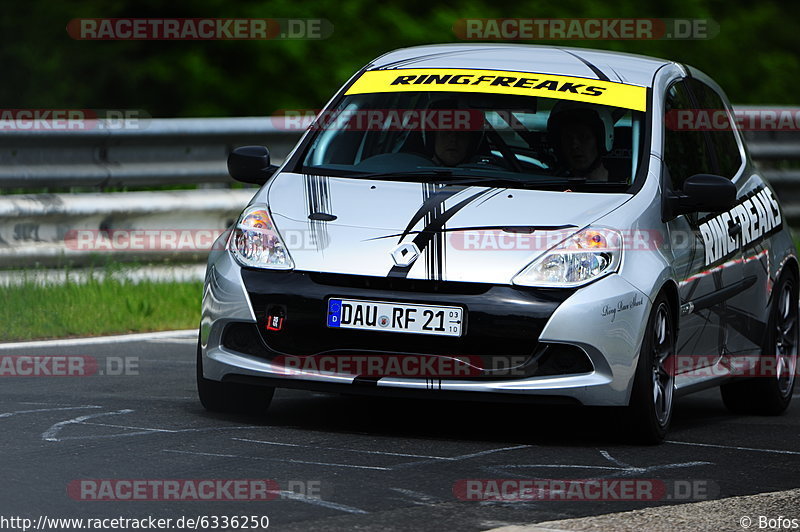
x,y
754,216
704,246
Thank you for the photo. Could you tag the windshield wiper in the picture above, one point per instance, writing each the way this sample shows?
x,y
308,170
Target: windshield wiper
x,y
447,175
434,172
508,181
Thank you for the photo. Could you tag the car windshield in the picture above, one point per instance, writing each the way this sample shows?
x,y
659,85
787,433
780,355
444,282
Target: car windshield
x,y
517,141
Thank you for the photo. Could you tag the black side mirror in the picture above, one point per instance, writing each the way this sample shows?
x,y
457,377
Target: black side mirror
x,y
250,164
703,193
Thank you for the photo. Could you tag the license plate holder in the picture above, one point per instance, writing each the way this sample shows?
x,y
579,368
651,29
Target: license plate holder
x,y
392,316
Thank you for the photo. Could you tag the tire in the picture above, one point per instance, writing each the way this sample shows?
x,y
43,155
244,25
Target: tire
x,y
649,413
231,398
771,391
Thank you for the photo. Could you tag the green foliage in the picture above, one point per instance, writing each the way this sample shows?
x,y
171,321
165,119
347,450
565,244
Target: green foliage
x,y
101,305
755,56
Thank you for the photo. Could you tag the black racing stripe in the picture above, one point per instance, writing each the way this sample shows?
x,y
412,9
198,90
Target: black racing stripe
x,y
507,228
433,257
429,232
437,252
317,193
427,192
307,194
441,249
487,198
429,204
599,73
325,194
619,77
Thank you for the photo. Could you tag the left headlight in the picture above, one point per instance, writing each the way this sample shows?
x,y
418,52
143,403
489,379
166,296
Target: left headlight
x,y
255,241
579,259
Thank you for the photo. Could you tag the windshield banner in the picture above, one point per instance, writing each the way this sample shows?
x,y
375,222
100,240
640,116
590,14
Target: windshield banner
x,y
502,82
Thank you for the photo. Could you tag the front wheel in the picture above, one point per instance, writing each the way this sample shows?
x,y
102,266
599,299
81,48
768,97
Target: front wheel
x,y
218,396
771,391
650,408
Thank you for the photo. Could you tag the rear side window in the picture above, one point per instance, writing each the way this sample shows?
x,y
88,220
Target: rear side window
x,y
686,151
723,139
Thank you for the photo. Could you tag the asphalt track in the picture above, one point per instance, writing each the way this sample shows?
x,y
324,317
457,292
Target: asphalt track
x,y
349,463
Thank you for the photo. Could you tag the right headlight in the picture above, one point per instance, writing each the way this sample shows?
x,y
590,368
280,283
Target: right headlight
x,y
578,259
255,241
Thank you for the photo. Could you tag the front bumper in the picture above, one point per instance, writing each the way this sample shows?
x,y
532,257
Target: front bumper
x,y
506,327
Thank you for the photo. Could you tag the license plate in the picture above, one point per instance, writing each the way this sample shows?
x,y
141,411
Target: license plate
x,y
394,317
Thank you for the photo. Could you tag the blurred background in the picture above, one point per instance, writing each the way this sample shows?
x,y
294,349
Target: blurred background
x,y
755,56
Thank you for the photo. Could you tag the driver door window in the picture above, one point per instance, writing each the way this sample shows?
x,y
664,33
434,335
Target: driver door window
x,y
686,151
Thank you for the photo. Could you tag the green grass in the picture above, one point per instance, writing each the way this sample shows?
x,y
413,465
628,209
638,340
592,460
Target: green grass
x,y
99,306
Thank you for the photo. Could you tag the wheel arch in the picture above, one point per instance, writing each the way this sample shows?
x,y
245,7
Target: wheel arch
x,y
670,291
790,265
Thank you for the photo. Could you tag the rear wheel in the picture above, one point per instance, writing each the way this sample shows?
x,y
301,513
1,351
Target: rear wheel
x,y
770,392
650,410
218,396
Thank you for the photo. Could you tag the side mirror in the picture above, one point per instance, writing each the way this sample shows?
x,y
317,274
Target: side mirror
x,y
250,164
703,193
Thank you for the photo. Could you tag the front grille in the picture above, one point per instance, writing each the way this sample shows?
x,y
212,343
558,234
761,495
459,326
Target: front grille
x,y
500,322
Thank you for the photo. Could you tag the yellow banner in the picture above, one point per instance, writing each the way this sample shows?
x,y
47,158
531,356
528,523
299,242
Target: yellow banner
x,y
502,82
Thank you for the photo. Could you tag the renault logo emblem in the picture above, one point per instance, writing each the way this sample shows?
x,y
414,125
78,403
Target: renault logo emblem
x,y
405,254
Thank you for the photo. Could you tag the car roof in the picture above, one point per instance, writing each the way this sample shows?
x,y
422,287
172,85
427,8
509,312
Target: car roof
x,y
555,60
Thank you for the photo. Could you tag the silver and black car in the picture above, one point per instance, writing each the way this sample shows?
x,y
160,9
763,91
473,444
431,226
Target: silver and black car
x,y
512,223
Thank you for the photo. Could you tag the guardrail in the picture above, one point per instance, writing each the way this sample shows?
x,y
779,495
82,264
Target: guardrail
x,y
174,151
35,229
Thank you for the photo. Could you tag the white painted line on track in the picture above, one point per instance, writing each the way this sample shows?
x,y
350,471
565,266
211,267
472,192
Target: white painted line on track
x,y
135,337
50,434
321,502
288,460
364,451
773,451
9,414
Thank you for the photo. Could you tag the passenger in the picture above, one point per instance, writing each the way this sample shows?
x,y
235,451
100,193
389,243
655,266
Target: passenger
x,y
581,134
452,147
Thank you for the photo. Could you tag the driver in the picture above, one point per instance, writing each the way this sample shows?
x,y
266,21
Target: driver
x,y
582,134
